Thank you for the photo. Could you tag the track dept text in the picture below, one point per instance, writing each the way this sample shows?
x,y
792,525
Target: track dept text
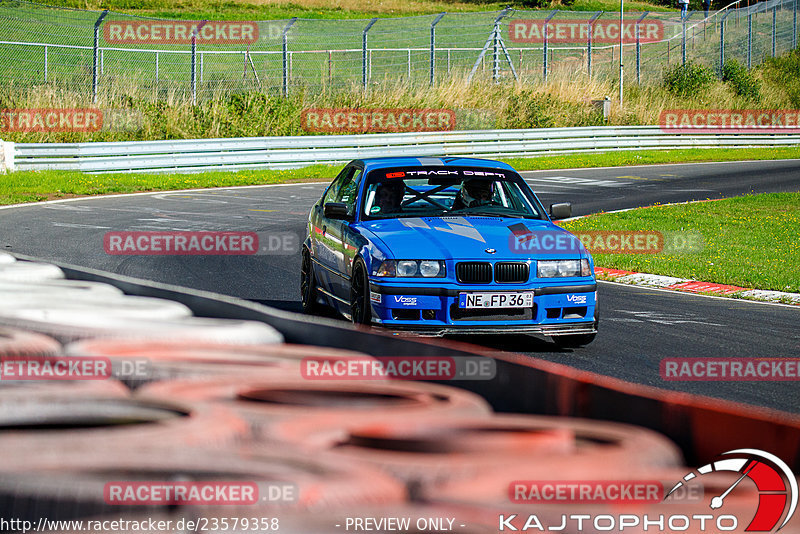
x,y
395,367
574,31
377,120
714,120
606,491
180,243
51,120
180,32
746,369
608,522
199,493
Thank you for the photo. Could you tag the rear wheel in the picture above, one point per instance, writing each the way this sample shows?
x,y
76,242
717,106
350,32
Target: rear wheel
x,y
360,308
308,284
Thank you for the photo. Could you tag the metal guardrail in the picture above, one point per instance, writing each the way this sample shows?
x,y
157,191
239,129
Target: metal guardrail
x,y
193,155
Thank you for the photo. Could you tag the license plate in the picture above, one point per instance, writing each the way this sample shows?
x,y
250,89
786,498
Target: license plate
x,y
496,300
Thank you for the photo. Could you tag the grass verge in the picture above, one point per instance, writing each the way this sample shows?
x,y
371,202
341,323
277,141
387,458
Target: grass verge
x,y
748,241
36,186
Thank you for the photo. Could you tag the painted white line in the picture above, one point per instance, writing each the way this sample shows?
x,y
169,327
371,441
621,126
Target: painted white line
x,y
652,165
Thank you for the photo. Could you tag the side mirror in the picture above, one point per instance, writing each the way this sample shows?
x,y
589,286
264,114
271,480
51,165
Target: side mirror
x,y
336,210
561,211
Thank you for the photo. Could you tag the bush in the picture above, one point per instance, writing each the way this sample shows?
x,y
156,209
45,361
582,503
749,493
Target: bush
x,y
741,80
688,80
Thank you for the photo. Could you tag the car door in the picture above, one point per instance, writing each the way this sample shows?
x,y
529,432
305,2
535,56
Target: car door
x,y
339,233
327,232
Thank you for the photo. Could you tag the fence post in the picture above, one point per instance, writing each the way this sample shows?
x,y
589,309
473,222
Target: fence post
x,y
544,48
639,49
156,68
749,38
774,24
433,46
194,60
683,40
722,41
794,25
589,42
285,55
95,58
364,66
46,66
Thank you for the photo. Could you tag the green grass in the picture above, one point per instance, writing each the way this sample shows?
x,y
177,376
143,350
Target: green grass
x,y
320,9
748,241
27,186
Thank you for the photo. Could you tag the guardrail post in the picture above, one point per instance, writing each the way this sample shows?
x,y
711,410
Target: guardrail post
x,y
590,25
749,38
774,24
544,48
6,156
194,60
364,67
639,49
285,55
433,46
95,58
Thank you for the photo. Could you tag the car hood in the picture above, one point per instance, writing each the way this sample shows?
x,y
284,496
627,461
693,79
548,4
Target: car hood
x,y
458,237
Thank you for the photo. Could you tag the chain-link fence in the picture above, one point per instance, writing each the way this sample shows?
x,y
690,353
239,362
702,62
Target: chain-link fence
x,y
105,53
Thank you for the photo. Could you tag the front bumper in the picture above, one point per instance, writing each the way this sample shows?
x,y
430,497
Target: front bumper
x,y
558,309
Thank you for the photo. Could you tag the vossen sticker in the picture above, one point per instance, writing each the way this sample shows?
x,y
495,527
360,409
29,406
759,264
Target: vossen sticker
x,y
405,301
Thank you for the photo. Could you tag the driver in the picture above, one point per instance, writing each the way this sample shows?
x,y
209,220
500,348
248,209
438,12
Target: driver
x,y
475,193
389,196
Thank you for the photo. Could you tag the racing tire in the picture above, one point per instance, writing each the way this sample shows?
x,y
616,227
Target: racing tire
x,y
360,308
575,341
308,284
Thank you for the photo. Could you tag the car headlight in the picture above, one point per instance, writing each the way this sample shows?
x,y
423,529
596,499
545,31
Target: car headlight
x,y
411,269
407,268
562,268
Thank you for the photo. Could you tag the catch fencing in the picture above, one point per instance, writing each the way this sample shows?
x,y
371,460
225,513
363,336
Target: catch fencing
x,y
109,54
196,155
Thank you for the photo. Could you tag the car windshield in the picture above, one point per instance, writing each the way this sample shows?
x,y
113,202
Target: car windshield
x,y
437,191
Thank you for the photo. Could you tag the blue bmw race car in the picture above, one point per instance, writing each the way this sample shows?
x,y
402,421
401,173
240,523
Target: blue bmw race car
x,y
447,245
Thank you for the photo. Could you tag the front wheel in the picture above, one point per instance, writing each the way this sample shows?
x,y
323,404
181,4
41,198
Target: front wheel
x,y
308,284
574,341
360,308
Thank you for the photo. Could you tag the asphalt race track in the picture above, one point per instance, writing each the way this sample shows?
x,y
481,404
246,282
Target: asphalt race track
x,y
638,327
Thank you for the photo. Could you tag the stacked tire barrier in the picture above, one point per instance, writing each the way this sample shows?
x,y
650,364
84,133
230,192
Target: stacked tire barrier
x,y
190,400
